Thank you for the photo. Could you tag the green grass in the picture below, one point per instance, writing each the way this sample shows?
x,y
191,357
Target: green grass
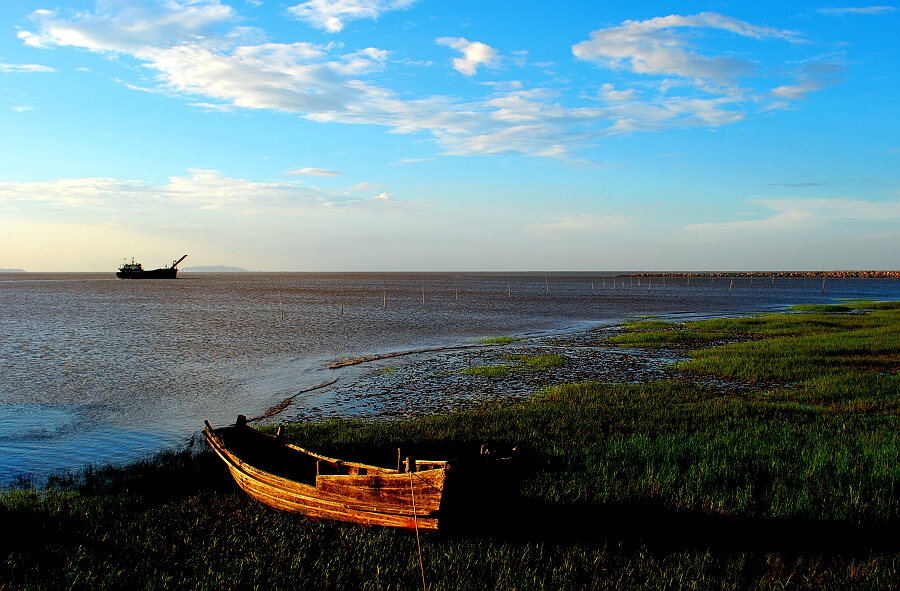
x,y
650,324
661,338
661,485
659,333
521,362
824,308
820,345
498,340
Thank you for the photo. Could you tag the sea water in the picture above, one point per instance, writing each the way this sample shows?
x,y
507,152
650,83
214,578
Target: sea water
x,y
95,370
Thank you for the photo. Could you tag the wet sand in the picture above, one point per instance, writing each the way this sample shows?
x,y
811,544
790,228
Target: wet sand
x,y
418,383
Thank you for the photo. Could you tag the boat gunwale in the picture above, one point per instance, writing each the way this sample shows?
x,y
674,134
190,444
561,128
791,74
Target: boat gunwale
x,y
308,498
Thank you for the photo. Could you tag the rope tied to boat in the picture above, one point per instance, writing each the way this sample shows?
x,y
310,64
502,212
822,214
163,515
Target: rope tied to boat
x,y
425,482
412,492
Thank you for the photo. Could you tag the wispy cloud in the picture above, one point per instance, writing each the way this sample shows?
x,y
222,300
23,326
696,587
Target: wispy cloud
x,y
199,48
130,27
789,215
810,78
200,190
474,53
333,15
24,68
656,47
368,187
413,160
314,172
857,10
693,86
566,226
796,185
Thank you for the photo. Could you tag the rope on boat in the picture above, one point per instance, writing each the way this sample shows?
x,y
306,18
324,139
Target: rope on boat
x,y
426,483
287,401
412,492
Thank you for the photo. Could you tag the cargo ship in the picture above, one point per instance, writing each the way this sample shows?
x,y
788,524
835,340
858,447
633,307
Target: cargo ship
x,y
134,270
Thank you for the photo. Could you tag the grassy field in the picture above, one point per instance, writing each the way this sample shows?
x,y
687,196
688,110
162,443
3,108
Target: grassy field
x,y
772,462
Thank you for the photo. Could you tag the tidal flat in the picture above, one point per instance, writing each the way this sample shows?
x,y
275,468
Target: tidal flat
x,y
762,452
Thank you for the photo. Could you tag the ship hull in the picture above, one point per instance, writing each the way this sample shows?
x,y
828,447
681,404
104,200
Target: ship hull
x,y
151,274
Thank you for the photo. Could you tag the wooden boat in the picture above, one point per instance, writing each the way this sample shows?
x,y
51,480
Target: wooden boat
x,y
292,478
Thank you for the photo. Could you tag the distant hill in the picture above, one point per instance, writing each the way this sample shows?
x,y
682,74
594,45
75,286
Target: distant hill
x,y
12,271
214,269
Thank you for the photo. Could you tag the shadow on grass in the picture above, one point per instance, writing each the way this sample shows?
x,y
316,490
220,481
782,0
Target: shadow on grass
x,y
656,527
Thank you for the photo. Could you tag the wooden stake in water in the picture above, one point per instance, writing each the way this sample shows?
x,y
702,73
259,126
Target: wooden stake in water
x,y
649,281
423,293
823,285
383,296
281,305
546,283
731,285
604,283
508,291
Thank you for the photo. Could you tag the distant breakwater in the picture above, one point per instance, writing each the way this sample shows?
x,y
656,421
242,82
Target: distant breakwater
x,y
838,274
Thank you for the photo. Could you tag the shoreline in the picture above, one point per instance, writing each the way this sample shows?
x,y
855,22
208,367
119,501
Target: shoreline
x,y
227,376
621,486
855,274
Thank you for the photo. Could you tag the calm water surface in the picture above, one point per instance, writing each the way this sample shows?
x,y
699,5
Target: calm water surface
x,y
94,369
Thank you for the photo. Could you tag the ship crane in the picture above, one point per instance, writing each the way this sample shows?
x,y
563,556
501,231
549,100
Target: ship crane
x,y
178,261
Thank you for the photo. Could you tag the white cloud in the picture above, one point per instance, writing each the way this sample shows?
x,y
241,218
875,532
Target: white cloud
x,y
130,27
694,87
359,187
417,160
566,226
857,10
811,78
333,15
314,172
201,190
608,91
24,68
195,49
474,53
794,215
22,108
654,46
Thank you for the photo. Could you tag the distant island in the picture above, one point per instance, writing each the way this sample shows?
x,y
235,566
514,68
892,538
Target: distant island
x,y
215,269
12,271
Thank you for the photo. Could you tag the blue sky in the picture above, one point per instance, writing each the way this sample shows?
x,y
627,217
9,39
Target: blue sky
x,y
381,135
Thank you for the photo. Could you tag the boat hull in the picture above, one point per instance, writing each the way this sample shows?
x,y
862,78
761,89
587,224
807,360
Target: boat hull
x,y
169,273
303,482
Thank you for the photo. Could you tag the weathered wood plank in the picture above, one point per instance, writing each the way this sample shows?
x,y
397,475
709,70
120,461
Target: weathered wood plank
x,y
358,493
